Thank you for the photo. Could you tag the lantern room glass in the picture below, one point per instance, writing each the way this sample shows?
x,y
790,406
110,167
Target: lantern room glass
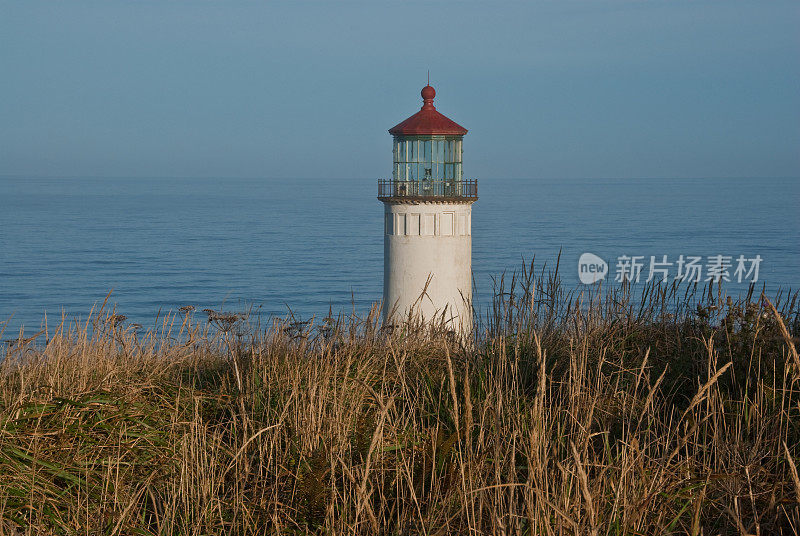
x,y
436,158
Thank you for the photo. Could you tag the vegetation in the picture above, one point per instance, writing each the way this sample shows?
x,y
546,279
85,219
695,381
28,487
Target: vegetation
x,y
672,412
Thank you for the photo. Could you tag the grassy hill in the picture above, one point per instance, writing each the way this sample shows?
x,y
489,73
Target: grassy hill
x,y
674,412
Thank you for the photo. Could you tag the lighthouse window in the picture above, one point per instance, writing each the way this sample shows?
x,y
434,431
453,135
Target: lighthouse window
x,y
427,158
412,224
447,223
427,225
462,224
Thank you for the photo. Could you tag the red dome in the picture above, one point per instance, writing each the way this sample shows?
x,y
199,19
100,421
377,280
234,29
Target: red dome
x,y
427,121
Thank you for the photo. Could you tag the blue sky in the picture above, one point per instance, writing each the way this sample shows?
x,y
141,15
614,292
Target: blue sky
x,y
308,89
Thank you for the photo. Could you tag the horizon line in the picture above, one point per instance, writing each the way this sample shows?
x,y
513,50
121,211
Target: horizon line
x,y
251,177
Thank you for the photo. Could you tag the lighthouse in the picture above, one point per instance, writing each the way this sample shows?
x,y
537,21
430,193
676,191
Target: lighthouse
x,y
427,252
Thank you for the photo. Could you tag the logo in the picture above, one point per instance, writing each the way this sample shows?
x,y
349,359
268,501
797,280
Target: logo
x,y
686,268
591,268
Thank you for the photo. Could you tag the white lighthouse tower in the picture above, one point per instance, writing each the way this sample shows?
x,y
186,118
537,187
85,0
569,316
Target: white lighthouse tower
x,y
428,222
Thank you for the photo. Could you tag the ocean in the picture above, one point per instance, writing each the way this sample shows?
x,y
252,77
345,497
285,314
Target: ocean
x,y
307,246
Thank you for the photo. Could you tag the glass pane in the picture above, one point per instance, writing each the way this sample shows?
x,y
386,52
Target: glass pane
x,y
427,154
457,152
440,150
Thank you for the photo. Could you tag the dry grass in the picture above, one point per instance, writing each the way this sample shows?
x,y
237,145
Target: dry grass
x,y
567,415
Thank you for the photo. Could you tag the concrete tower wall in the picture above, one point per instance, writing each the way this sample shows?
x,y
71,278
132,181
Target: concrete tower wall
x,y
422,240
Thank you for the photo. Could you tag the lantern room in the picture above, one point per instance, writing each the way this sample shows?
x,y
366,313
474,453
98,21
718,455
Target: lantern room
x,y
426,156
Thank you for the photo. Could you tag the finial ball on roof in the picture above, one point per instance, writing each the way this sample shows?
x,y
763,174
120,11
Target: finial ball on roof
x,y
428,121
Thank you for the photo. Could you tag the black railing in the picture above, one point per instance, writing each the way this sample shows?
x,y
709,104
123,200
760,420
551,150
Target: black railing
x,y
447,188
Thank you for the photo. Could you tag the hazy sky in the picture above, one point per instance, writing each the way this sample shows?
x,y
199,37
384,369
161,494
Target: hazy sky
x,y
309,89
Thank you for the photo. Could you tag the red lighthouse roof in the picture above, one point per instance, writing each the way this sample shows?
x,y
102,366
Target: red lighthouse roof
x,y
427,121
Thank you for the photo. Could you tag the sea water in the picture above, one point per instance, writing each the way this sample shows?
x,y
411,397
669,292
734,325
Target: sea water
x,y
307,246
